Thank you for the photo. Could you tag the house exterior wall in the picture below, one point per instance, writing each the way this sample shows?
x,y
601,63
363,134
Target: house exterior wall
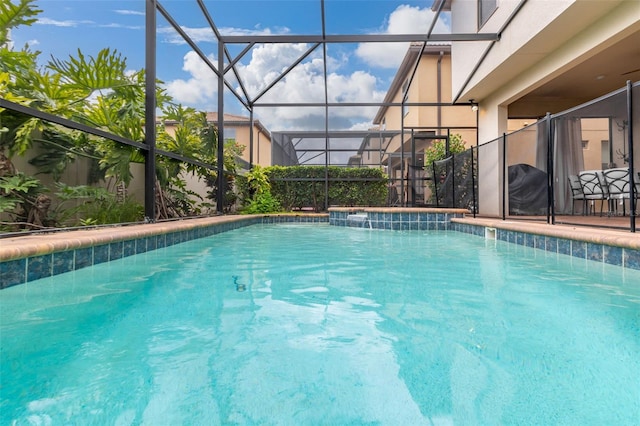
x,y
261,144
540,42
422,124
424,89
544,39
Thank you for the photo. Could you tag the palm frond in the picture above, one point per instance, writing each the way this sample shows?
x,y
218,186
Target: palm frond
x,y
105,71
13,15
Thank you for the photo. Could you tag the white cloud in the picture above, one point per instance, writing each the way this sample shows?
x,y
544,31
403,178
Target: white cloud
x,y
201,88
127,27
205,34
268,61
404,20
305,83
70,23
66,23
231,31
363,125
129,12
356,87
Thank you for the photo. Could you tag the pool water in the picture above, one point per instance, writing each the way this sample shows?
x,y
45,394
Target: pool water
x,y
315,324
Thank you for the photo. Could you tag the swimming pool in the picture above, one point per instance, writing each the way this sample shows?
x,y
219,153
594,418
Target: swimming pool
x,y
299,324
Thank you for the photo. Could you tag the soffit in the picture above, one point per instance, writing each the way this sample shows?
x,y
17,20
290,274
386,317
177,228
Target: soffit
x,y
572,83
596,76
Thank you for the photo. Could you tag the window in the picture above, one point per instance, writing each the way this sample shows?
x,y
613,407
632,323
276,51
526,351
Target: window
x,y
229,134
606,154
485,10
585,144
405,98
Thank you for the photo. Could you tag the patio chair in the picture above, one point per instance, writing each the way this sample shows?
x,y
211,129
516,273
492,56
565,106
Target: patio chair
x,y
593,187
618,186
576,193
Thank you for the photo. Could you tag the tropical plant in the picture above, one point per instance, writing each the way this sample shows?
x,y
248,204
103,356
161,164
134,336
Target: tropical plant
x,y
98,91
22,198
261,200
439,149
450,169
186,132
86,205
14,15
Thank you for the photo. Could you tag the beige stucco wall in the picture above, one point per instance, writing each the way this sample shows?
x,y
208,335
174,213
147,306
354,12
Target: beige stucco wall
x,y
424,89
547,36
74,175
261,144
544,40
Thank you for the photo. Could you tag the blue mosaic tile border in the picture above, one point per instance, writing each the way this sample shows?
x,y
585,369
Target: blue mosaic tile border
x,y
397,221
618,256
20,271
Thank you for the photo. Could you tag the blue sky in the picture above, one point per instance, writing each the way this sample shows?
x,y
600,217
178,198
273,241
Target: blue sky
x,y
357,73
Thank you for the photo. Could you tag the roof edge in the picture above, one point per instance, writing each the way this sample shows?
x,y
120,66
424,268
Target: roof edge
x,y
407,64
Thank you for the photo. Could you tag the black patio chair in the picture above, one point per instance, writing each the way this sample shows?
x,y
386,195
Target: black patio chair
x,y
577,194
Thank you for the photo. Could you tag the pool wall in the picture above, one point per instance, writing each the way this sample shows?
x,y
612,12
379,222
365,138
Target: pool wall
x,y
612,247
29,258
398,219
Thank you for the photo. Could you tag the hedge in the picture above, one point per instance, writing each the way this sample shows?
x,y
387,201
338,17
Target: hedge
x,y
297,187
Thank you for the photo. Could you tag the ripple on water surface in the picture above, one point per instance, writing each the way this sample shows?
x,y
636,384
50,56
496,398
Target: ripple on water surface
x,y
318,324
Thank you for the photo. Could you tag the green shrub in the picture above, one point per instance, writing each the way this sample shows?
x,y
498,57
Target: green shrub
x,y
297,187
257,193
98,206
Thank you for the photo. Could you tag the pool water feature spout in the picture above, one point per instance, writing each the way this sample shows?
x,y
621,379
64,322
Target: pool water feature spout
x,y
359,218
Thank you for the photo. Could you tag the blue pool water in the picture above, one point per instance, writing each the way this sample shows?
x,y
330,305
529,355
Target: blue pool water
x,y
306,325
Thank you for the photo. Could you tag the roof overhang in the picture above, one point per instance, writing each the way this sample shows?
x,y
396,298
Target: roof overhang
x,y
446,5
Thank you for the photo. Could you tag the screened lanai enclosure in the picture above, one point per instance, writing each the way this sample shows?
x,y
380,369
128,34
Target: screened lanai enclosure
x,y
98,134
134,142
411,180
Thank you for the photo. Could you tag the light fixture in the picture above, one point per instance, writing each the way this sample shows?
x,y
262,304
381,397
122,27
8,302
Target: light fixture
x,y
474,106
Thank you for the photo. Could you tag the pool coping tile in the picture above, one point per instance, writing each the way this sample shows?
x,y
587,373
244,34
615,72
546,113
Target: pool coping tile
x,y
39,255
600,245
30,257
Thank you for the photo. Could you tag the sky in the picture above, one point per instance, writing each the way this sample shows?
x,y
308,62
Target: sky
x,y
356,72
